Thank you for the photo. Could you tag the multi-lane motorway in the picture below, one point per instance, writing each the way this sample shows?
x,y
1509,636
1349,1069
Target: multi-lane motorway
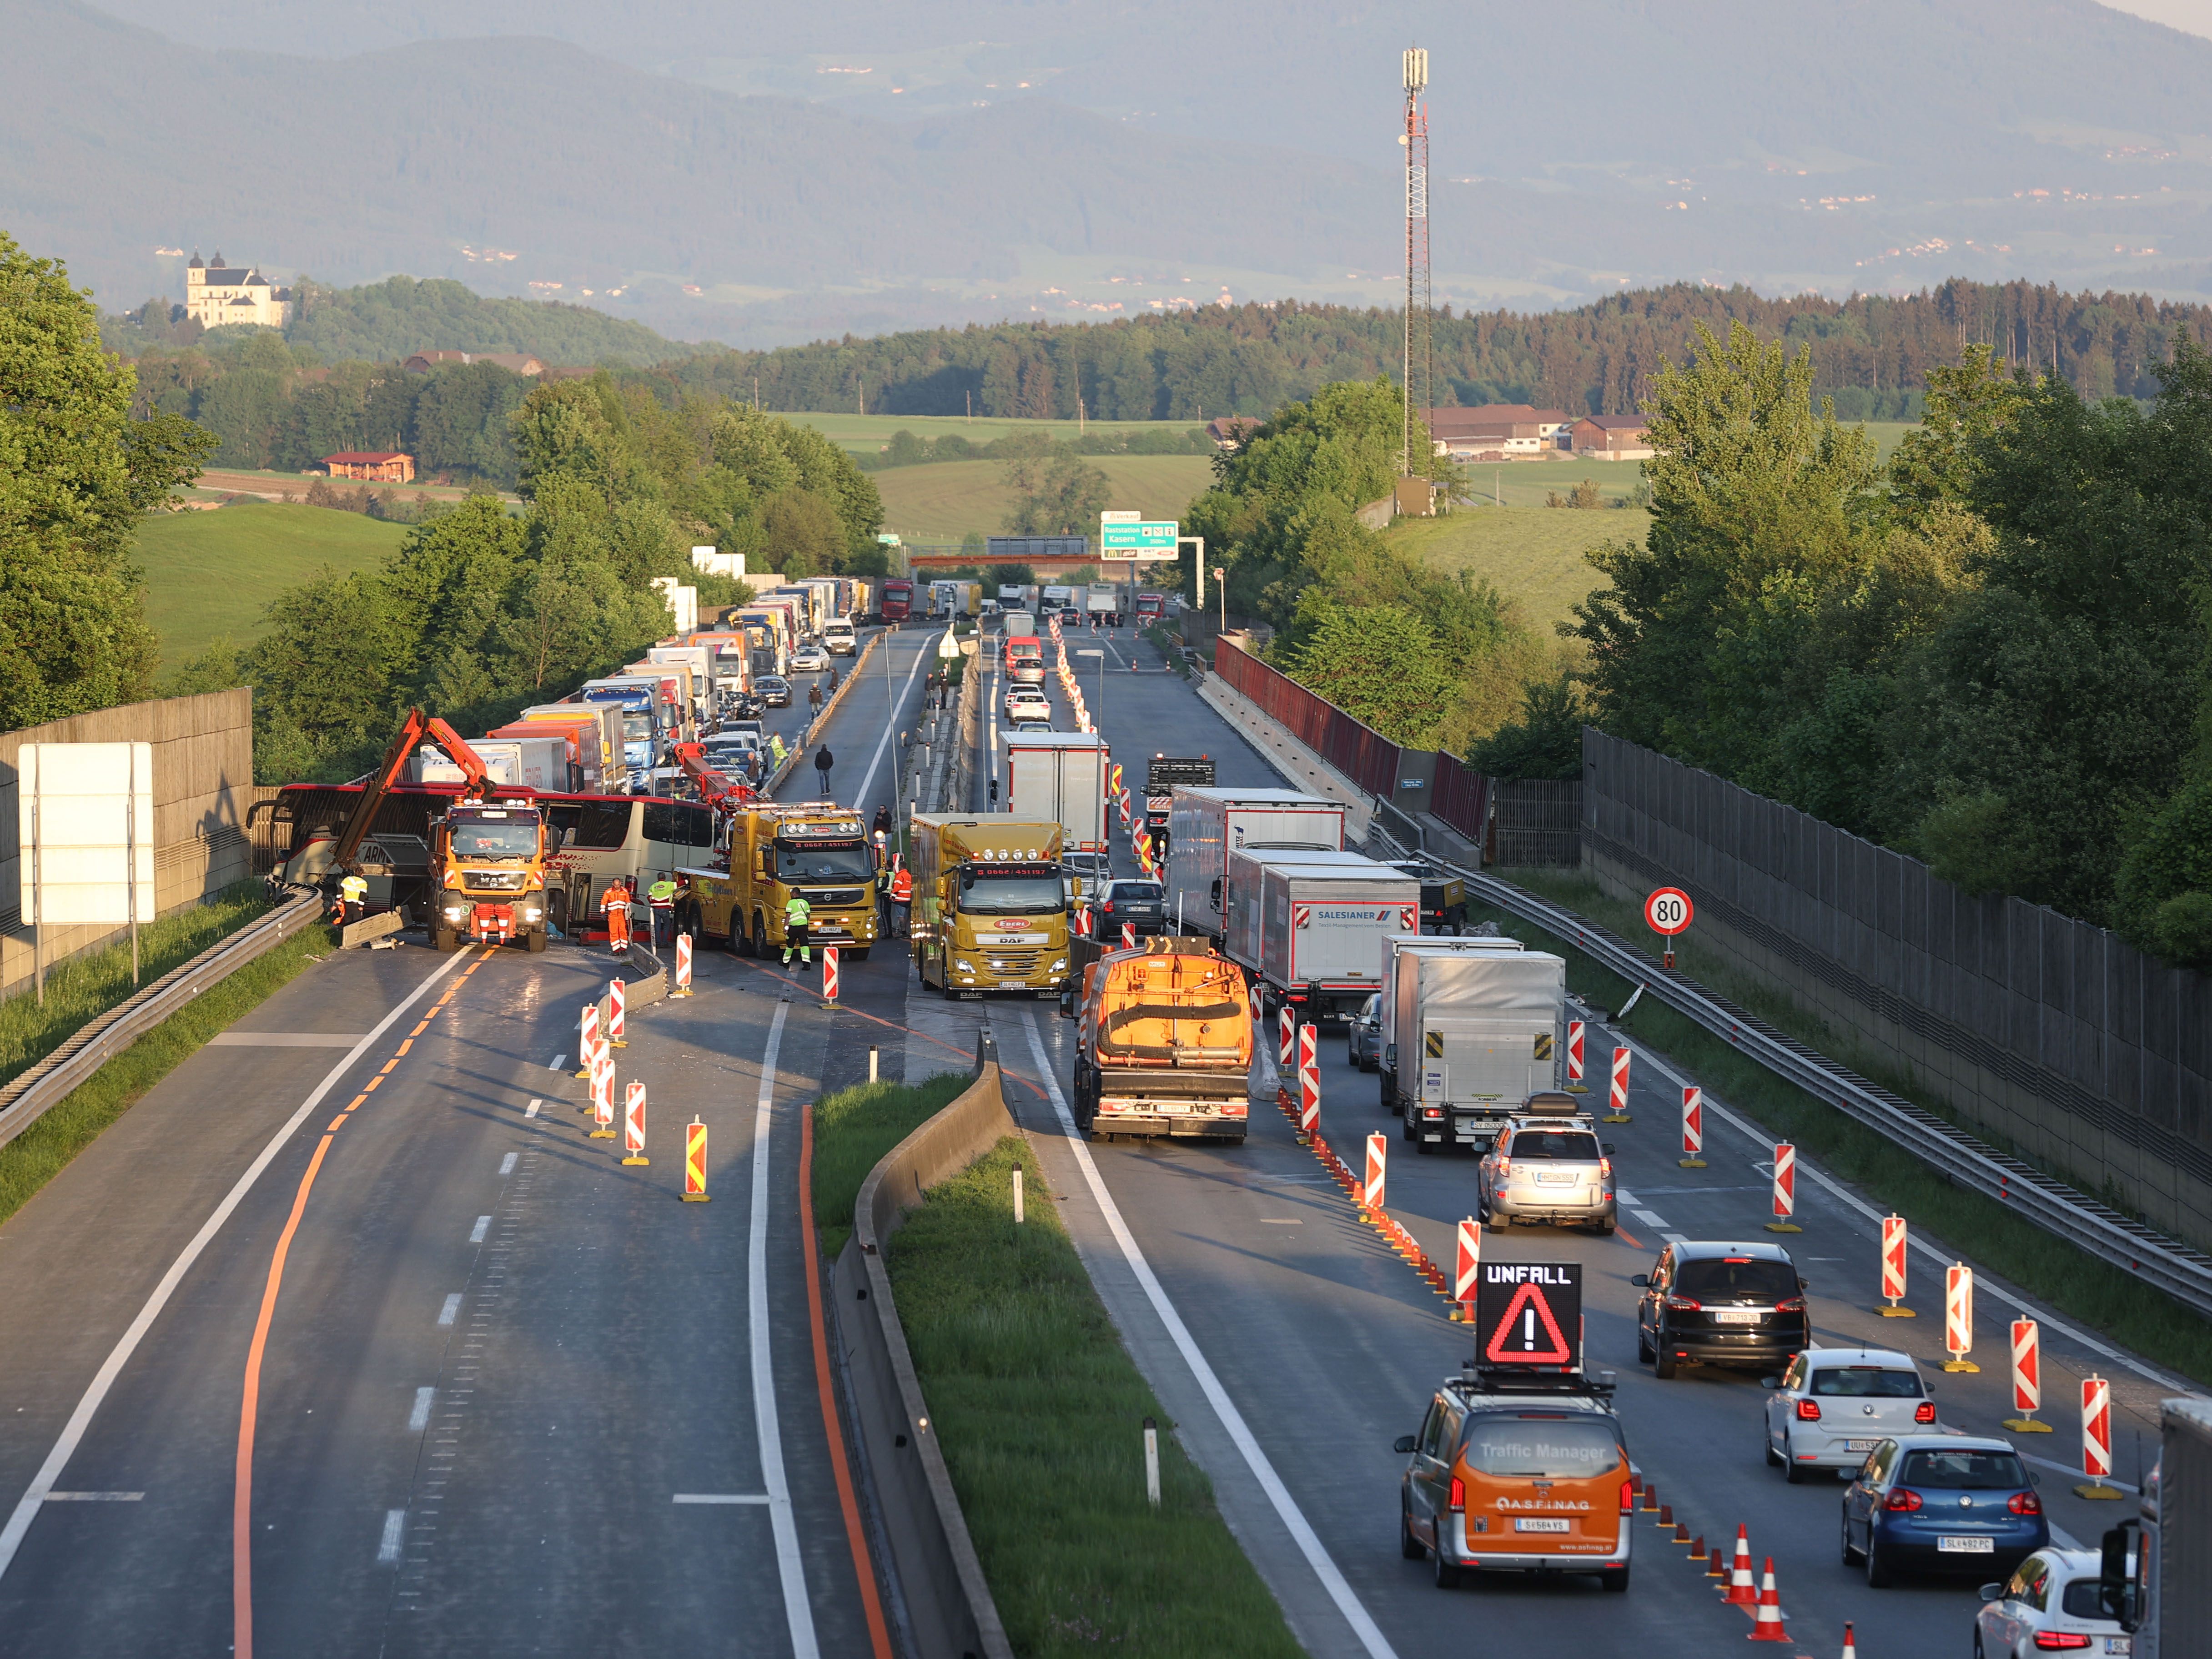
x,y
346,1341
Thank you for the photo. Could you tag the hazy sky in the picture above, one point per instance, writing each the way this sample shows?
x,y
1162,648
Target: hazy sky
x,y
2195,15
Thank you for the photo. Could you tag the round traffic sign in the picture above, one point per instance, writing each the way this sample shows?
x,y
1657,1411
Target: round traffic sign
x,y
1668,911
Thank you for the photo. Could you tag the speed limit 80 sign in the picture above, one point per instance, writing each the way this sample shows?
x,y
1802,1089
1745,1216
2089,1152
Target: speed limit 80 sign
x,y
1668,911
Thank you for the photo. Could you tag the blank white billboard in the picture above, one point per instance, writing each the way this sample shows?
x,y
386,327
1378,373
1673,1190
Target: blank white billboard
x,y
87,818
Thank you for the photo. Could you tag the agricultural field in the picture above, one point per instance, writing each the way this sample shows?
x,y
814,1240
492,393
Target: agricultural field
x,y
209,575
867,433
1532,554
942,501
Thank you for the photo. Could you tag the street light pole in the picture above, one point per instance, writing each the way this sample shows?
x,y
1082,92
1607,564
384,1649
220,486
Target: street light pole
x,y
1221,581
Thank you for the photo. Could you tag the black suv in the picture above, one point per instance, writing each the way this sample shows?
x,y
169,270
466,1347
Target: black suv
x,y
1708,1303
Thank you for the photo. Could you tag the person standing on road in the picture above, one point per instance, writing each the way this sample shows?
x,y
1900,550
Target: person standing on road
x,y
353,894
797,914
902,895
775,743
660,898
994,794
614,905
823,760
814,698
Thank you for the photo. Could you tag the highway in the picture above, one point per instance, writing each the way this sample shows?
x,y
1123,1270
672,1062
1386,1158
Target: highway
x,y
346,1339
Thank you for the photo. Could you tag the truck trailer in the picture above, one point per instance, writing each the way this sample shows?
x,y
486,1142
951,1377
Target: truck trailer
x,y
1061,776
1205,825
1471,1028
1310,926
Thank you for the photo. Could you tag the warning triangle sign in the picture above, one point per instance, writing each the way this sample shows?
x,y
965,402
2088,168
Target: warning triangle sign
x,y
1522,1334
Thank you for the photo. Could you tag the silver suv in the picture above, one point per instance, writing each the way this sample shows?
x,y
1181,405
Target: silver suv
x,y
1547,1165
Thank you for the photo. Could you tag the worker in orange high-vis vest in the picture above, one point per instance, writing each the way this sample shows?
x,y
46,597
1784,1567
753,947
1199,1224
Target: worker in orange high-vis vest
x,y
615,906
902,895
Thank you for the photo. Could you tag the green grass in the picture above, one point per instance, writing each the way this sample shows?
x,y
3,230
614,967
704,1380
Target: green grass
x,y
2100,1297
210,575
1040,1413
1531,554
853,1130
87,986
872,432
942,501
44,1150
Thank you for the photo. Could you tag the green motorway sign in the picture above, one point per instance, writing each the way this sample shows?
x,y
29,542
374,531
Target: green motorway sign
x,y
1121,532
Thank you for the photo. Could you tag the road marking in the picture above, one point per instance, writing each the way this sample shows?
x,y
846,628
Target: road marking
x,y
1623,1195
1648,1219
2072,1469
95,1497
1281,1220
558,1061
1232,1420
723,1497
395,1526
861,795
507,1165
477,1233
42,1483
419,1419
798,1611
1676,1238
530,1110
447,1314
285,1039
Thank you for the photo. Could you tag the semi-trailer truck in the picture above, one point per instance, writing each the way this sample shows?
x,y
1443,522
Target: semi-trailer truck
x,y
1205,825
1471,1028
895,600
1061,776
1310,926
989,912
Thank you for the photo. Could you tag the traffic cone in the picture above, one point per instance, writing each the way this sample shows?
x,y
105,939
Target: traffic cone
x,y
1682,1536
1715,1564
1850,1648
1767,1621
1741,1591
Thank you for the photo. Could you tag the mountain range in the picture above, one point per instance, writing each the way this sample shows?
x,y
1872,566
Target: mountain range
x,y
759,175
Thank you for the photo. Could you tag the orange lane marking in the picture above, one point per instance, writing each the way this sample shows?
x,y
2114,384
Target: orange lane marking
x,y
855,1538
1627,1237
388,1065
355,1101
419,1031
242,1521
337,1123
369,1087
406,1044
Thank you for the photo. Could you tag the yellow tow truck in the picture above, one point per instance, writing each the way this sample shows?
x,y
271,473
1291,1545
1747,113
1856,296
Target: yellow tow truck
x,y
990,913
816,849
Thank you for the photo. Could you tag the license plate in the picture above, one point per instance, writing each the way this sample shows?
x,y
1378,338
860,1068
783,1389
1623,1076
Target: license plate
x,y
1013,985
1544,1180
1526,1524
1736,1315
2119,1644
1965,1546
1861,1445
1172,1108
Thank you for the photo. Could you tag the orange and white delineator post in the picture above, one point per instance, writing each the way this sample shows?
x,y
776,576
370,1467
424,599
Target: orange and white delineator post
x,y
1893,1244
2096,1439
1766,1622
1286,1035
634,1125
1128,936
1309,1081
1693,1127
2027,1378
1959,1317
1741,1591
617,993
1617,1102
603,1099
1575,1029
588,1038
1785,1190
1466,1269
683,966
829,975
1370,1189
695,1162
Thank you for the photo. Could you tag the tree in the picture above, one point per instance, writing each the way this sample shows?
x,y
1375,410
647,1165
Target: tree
x,y
1381,664
76,473
1009,575
1056,493
1544,741
805,535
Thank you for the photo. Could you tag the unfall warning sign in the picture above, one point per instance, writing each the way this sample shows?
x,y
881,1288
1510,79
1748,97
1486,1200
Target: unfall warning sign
x,y
1529,1313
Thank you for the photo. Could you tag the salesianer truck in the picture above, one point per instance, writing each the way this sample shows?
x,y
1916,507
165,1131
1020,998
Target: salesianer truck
x,y
989,912
1205,825
816,849
1311,927
1471,1028
1164,1042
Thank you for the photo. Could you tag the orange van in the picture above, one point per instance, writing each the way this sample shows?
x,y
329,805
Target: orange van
x,y
1521,1473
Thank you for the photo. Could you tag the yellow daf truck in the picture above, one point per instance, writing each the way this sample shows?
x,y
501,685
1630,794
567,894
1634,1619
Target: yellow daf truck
x,y
816,849
990,913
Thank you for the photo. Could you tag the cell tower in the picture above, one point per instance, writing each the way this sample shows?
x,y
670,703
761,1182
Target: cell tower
x,y
1419,366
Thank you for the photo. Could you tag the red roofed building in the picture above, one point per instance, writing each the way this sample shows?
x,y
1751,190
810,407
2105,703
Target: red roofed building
x,y
1612,437
376,466
1496,431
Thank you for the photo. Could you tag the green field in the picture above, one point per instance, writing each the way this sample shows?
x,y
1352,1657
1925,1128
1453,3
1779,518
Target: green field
x,y
1532,555
209,576
870,432
942,501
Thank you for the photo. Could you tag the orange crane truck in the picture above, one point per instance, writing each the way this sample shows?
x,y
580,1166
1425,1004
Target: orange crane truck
x,y
1163,1042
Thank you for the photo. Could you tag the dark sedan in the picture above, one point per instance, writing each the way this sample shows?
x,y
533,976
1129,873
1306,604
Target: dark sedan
x,y
775,691
1141,904
1712,1304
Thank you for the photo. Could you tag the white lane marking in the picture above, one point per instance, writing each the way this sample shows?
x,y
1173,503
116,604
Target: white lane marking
x,y
477,1233
1623,1195
530,1110
722,1498
557,1060
890,726
419,1419
451,1310
1648,1219
2075,1470
1676,1238
395,1527
42,1483
1927,1252
507,1165
798,1611
95,1497
1232,1420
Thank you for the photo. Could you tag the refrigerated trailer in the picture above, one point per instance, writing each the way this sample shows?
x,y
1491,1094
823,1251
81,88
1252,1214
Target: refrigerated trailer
x,y
1311,927
1206,825
1060,777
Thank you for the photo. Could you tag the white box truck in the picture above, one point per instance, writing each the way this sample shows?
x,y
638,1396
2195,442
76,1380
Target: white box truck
x,y
1060,777
1471,1028
1206,824
1309,926
1103,600
525,762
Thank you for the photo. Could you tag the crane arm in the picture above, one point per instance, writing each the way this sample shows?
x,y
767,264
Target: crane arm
x,y
380,784
719,792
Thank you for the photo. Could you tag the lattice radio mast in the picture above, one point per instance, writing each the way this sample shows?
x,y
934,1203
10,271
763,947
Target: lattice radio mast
x,y
1419,369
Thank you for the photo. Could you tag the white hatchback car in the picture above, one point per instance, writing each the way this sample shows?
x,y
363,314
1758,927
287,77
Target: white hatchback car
x,y
1833,1406
2051,1595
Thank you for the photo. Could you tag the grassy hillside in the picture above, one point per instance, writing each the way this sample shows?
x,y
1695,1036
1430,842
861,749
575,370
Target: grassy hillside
x,y
864,433
210,575
945,499
1532,555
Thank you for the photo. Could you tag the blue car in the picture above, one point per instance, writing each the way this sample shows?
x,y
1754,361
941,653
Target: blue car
x,y
1942,1503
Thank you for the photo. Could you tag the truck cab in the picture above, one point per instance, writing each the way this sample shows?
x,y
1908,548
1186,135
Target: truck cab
x,y
817,850
990,914
490,865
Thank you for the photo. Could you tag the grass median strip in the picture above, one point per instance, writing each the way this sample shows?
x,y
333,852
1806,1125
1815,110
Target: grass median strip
x,y
1040,1411
2103,1297
44,1149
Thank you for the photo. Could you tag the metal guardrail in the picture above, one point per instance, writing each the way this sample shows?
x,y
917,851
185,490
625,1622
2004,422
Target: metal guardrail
x,y
2180,1271
30,1096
